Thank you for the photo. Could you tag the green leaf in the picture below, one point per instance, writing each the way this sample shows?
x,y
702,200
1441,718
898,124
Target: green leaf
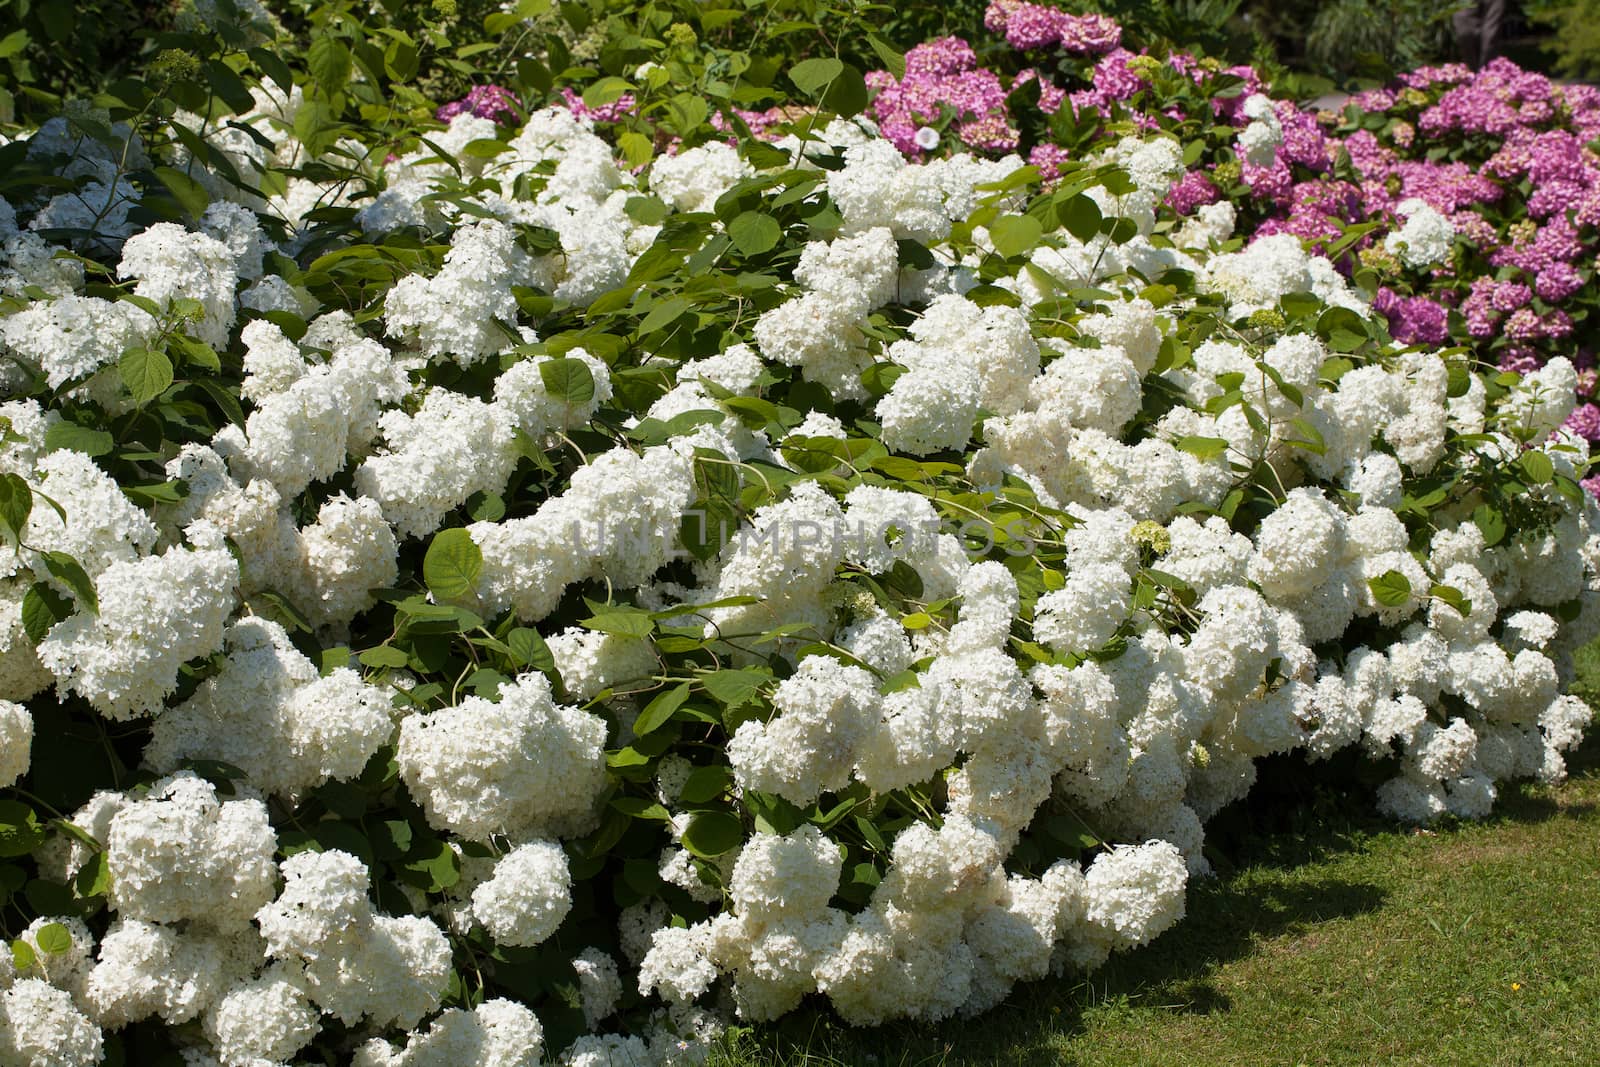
x,y
663,314
1205,448
67,570
145,372
384,656
452,565
1081,217
42,608
70,435
94,877
1536,467
1014,235
705,784
641,808
329,61
687,112
486,507
1452,596
529,649
54,939
433,867
811,76
1391,589
57,19
753,233
658,711
754,412
893,61
1491,522
646,210
21,955
1342,328
847,94
712,833
16,504
533,75
623,622
607,90
733,688
189,194
13,43
568,379
168,492
880,377
400,61
20,832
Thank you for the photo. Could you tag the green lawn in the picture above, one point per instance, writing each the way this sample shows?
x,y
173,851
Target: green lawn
x,y
1342,940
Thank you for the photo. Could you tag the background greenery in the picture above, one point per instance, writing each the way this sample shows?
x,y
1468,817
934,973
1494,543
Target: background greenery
x,y
50,50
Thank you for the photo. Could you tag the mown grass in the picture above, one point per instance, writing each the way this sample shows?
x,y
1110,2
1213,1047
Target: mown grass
x,y
1342,939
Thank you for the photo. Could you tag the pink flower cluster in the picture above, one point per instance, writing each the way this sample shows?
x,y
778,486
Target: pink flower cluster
x,y
1523,193
942,80
1035,27
485,102
617,109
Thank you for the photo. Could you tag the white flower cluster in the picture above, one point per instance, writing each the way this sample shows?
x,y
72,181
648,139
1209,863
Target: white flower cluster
x,y
1425,239
269,713
334,951
1262,134
520,765
1217,558
946,931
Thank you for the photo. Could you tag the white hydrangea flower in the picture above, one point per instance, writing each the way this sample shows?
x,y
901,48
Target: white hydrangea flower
x,y
40,1026
1136,892
468,767
521,392
1425,238
353,962
271,714
266,1019
147,969
527,897
172,263
599,984
16,741
824,711
100,527
590,661
346,554
453,447
496,1033
181,854
72,337
155,614
467,311
1261,136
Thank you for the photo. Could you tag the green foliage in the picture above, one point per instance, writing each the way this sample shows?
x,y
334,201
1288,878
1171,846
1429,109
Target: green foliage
x,y
53,50
1574,40
1355,38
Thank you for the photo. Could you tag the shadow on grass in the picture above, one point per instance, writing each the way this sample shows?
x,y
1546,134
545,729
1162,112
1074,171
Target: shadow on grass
x,y
1266,850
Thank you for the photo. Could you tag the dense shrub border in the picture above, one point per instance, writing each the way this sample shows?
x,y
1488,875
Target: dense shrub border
x,y
491,588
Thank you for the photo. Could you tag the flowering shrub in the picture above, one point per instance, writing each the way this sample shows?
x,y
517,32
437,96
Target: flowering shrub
x,y
1465,203
484,597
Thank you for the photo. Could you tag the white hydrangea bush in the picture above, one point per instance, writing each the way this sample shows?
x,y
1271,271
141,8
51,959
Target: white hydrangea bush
x,y
520,606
